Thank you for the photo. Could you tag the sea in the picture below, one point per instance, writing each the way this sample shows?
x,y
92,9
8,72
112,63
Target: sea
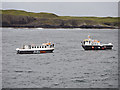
x,y
69,66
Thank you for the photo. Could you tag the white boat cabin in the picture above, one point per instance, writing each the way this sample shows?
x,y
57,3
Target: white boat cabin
x,y
44,45
91,42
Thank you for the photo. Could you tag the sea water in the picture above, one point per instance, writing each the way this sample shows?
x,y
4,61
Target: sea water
x,y
70,66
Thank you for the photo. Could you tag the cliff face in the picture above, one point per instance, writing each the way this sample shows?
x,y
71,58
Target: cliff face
x,y
48,20
10,20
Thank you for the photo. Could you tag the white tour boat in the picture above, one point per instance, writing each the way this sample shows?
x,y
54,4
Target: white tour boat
x,y
36,49
90,44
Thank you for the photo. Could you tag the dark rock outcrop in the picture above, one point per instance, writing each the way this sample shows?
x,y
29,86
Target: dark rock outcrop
x,y
12,20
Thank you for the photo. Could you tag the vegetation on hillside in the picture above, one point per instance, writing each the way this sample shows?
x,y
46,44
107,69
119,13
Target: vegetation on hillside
x,y
20,18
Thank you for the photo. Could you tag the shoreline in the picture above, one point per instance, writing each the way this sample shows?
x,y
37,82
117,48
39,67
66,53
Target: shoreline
x,y
62,28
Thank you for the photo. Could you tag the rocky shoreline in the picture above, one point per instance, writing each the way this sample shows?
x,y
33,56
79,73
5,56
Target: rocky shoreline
x,y
46,26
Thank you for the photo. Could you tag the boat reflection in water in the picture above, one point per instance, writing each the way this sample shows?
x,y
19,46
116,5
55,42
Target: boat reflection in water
x,y
36,49
90,44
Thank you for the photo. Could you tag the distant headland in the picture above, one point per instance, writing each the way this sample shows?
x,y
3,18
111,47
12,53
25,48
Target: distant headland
x,y
23,19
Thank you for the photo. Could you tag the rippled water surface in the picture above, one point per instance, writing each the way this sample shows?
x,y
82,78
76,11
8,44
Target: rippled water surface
x,y
68,67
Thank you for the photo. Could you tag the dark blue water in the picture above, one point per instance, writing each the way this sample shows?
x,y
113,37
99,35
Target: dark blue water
x,y
68,67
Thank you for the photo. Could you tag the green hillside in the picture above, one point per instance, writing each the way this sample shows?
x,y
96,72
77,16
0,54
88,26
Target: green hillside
x,y
24,13
53,20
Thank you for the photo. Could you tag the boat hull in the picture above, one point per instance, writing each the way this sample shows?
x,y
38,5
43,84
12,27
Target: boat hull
x,y
97,47
34,51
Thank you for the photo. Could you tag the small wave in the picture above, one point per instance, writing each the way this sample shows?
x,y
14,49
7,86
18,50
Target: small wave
x,y
56,84
46,78
47,63
19,71
29,71
102,75
86,73
112,57
105,62
46,87
39,28
77,81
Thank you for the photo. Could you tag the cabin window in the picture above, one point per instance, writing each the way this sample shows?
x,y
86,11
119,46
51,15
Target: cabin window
x,y
45,46
37,46
89,42
84,42
29,46
53,45
32,47
42,47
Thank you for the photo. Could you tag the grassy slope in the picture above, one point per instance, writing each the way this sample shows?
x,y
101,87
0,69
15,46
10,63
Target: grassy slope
x,y
24,13
99,20
86,20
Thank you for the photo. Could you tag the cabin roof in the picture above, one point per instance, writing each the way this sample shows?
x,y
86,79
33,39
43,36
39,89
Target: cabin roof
x,y
87,40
